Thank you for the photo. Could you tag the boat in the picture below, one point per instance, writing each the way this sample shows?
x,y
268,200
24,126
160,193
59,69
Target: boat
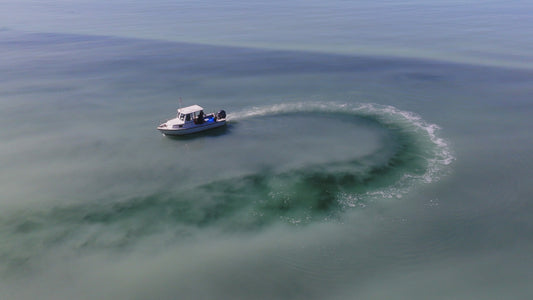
x,y
191,119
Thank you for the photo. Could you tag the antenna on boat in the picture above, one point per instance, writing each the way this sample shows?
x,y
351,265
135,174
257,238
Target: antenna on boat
x,y
180,103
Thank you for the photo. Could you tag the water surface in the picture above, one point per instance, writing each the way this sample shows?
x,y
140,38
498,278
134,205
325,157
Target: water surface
x,y
342,173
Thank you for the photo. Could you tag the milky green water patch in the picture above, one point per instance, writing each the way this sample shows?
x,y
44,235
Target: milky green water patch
x,y
409,153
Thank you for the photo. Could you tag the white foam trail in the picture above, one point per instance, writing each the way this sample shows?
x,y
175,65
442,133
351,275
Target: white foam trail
x,y
439,153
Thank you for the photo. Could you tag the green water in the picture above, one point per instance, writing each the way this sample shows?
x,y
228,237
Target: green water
x,y
338,176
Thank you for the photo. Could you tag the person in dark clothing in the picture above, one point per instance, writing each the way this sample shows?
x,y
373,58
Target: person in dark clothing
x,y
200,118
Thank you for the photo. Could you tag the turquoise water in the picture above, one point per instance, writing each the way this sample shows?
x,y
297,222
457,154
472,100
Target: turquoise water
x,y
359,162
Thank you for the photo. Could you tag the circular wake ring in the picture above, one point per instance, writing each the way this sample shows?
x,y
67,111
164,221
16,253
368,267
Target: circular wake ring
x,y
302,195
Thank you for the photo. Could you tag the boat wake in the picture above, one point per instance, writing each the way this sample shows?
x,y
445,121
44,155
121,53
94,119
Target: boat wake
x,y
435,150
421,156
302,195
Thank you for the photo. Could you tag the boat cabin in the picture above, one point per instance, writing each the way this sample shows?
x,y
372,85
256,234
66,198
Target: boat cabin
x,y
191,113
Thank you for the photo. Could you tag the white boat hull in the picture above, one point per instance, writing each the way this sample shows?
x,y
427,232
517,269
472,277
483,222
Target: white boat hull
x,y
193,129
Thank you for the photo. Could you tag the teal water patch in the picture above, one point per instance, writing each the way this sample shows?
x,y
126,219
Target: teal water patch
x,y
316,192
418,154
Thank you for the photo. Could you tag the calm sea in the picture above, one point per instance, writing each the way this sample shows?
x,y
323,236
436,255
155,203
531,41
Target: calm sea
x,y
374,150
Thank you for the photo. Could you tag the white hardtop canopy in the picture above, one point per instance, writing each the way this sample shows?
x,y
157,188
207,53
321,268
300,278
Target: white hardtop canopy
x,y
190,109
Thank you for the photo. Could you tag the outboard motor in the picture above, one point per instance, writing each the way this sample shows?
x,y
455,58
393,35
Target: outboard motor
x,y
221,114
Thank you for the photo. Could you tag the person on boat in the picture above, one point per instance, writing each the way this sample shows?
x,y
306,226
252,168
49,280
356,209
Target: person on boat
x,y
200,118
